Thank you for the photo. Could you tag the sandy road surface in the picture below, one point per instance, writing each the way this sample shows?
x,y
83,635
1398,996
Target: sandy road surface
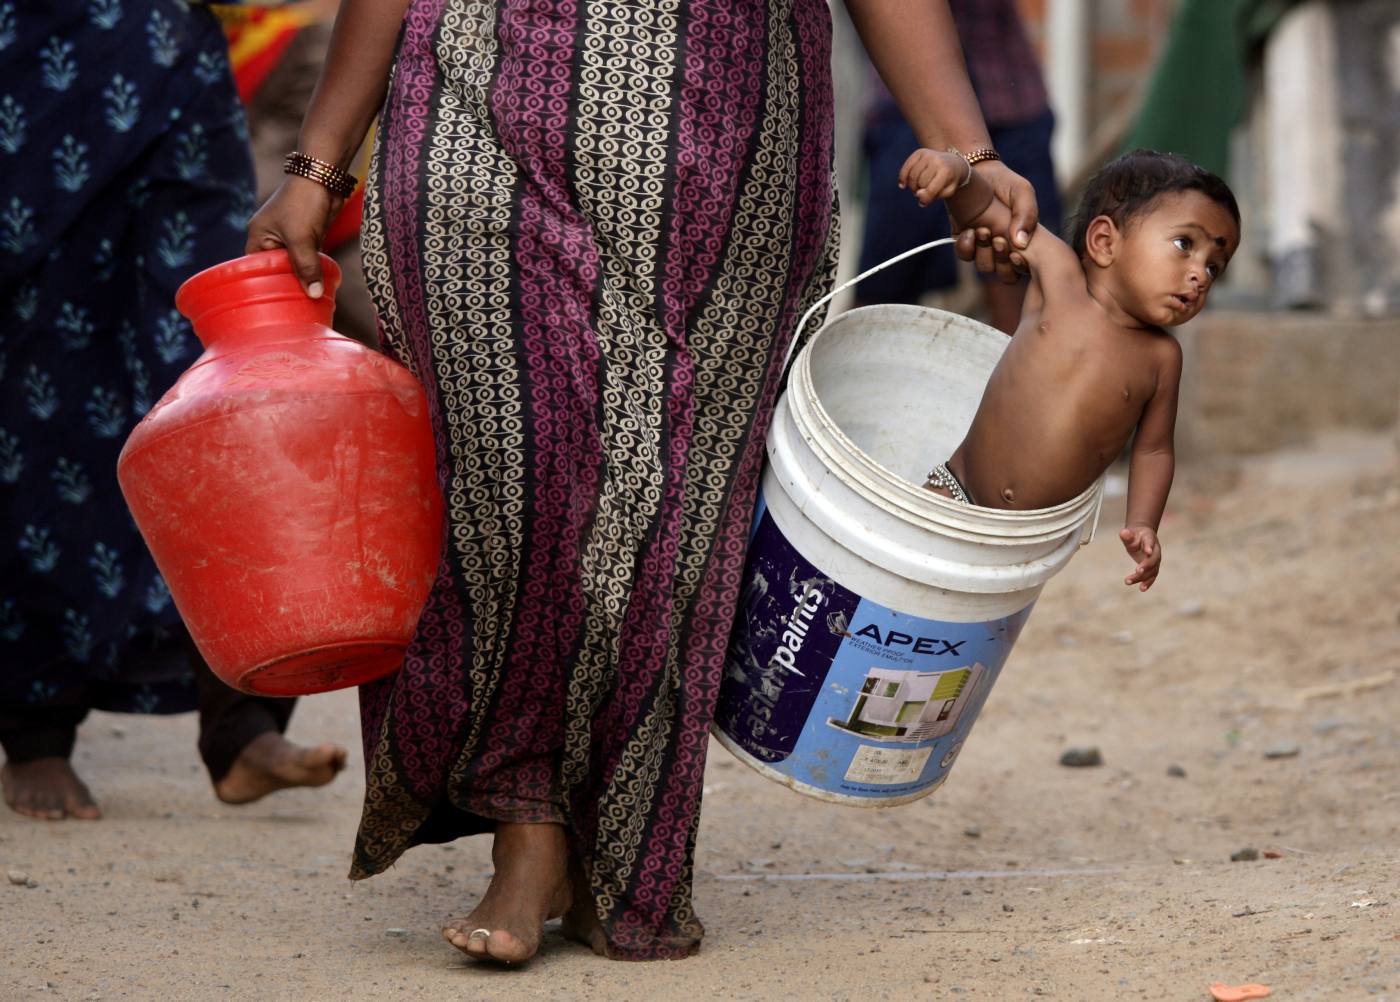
x,y
1079,884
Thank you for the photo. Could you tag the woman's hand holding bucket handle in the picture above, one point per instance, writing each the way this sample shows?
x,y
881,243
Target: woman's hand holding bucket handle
x,y
998,252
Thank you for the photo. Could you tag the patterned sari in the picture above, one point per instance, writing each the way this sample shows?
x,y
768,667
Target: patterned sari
x,y
590,229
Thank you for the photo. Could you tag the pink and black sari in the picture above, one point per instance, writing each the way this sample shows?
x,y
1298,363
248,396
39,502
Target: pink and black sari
x,y
591,227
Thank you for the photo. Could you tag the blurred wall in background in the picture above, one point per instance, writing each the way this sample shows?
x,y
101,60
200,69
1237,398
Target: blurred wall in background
x,y
1305,334
1315,157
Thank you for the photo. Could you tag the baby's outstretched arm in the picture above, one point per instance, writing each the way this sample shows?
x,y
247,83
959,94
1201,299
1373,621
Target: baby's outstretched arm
x,y
930,175
1151,468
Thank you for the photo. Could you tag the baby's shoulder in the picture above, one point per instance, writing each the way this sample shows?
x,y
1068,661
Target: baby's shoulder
x,y
1160,357
1166,350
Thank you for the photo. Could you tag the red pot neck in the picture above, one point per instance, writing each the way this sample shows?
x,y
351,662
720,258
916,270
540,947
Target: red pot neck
x,y
256,298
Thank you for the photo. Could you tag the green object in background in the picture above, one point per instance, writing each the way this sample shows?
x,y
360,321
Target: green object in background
x,y
1197,93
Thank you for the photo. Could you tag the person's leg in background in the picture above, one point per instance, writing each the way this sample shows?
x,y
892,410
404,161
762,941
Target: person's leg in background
x,y
92,338
241,743
240,740
37,776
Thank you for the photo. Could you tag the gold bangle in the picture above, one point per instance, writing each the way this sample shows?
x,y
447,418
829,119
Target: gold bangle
x,y
985,153
339,182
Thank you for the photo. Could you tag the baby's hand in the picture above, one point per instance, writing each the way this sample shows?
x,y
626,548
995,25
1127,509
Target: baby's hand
x,y
1142,545
931,175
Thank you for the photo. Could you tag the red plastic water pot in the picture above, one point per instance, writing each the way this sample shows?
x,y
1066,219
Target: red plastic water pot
x,y
286,486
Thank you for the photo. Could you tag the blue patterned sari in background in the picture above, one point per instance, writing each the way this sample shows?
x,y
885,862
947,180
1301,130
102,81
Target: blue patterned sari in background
x,y
125,170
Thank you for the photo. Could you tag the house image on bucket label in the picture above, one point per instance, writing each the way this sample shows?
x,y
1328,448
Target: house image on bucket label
x,y
910,706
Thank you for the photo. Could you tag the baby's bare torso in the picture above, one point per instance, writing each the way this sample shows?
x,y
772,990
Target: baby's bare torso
x,y
1058,409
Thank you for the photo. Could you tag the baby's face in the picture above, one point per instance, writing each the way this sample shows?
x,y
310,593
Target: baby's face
x,y
1173,254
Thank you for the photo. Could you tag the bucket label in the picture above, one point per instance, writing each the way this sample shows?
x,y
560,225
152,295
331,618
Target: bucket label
x,y
841,693
878,766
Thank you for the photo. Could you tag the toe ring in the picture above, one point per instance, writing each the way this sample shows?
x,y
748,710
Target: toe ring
x,y
479,934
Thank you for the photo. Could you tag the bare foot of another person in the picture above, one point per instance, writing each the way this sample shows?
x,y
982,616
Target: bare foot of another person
x,y
270,762
530,886
47,788
581,920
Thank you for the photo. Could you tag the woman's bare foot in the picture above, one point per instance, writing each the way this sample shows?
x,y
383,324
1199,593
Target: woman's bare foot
x,y
530,886
47,788
581,920
270,762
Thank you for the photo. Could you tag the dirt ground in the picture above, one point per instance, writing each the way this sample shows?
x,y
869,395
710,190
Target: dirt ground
x,y
1273,632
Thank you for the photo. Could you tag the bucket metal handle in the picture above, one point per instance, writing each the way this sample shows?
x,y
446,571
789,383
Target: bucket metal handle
x,y
797,333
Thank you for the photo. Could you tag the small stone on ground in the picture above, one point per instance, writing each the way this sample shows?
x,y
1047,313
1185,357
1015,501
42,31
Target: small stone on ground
x,y
1080,758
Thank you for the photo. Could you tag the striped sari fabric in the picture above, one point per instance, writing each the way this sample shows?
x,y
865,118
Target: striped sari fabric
x,y
590,228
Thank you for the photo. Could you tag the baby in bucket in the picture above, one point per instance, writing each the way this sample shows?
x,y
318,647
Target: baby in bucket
x,y
1091,363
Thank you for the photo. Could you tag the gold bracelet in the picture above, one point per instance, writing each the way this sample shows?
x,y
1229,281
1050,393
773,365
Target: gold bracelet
x,y
338,182
985,153
328,175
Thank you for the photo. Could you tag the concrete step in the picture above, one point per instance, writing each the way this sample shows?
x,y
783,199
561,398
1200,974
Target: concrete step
x,y
1256,381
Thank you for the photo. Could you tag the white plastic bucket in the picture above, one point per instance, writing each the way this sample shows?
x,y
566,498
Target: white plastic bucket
x,y
875,615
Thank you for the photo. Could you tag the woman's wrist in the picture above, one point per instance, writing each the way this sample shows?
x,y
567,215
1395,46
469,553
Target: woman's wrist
x,y
333,150
968,204
335,135
964,140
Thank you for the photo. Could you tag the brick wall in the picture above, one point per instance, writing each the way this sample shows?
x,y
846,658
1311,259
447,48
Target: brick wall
x,y
1127,37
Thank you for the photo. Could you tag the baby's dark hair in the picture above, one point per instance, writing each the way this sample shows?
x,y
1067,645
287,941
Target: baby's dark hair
x,y
1131,184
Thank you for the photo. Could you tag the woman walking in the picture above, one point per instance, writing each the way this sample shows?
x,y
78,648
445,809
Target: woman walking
x,y
590,230
126,171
